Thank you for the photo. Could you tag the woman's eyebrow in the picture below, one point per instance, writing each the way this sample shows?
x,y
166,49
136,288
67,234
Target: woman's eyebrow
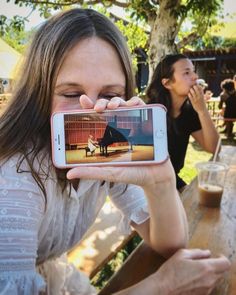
x,y
79,85
111,86
63,84
188,69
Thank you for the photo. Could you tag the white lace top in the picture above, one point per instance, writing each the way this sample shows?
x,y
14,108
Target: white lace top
x,y
35,234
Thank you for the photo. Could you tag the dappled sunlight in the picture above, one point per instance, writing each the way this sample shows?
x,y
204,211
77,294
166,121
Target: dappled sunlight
x,y
101,241
108,208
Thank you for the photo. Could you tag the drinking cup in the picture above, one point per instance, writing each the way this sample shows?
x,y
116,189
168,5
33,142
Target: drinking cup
x,y
211,181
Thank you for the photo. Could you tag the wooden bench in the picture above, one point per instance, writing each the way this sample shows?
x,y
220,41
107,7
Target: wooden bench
x,y
141,263
101,242
220,118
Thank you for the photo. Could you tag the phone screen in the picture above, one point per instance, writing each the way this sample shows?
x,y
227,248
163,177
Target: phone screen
x,y
112,136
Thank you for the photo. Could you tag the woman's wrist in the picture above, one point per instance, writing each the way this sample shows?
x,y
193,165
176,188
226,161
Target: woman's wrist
x,y
165,188
203,113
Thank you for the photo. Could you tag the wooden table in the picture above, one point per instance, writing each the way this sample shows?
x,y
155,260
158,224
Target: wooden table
x,y
211,228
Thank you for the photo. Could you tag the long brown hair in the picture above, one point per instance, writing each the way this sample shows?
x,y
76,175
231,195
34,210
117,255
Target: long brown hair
x,y
25,125
156,91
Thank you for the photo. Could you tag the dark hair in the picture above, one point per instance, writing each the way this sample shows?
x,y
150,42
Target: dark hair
x,y
228,85
156,92
25,125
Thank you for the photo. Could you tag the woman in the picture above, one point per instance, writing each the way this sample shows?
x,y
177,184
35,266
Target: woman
x,y
228,97
92,144
174,84
78,59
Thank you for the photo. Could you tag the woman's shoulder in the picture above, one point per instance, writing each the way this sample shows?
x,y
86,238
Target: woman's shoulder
x,y
24,164
17,182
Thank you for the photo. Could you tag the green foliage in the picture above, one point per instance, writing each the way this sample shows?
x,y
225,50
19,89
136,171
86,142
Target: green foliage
x,y
229,42
17,24
194,154
101,278
130,30
197,14
142,10
18,39
13,32
216,42
193,16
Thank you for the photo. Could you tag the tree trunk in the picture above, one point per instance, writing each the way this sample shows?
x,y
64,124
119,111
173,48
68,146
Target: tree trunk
x,y
162,37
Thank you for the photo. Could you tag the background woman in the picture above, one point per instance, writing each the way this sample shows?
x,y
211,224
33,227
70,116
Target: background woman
x,y
174,85
228,97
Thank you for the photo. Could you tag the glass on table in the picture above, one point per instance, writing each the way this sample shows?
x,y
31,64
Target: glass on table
x,y
211,180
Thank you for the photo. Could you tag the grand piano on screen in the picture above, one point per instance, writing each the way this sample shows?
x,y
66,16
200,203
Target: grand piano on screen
x,y
113,135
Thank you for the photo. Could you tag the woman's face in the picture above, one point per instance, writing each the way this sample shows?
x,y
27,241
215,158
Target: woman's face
x,y
92,68
184,77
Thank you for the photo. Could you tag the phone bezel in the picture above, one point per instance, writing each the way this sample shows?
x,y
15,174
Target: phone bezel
x,y
159,137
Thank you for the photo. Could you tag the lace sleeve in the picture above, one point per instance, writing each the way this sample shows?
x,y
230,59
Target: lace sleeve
x,y
21,211
131,201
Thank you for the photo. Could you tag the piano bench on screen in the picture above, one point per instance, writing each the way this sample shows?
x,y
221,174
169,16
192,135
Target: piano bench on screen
x,y
87,150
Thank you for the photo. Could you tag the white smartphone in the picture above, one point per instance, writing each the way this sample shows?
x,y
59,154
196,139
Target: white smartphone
x,y
125,136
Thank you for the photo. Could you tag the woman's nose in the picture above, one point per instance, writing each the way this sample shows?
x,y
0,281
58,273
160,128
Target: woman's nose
x,y
195,76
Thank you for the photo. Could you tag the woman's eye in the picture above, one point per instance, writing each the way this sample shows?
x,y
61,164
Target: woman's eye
x,y
72,95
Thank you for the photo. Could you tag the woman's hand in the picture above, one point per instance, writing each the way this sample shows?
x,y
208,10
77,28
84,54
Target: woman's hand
x,y
144,176
187,272
191,272
208,136
101,104
196,97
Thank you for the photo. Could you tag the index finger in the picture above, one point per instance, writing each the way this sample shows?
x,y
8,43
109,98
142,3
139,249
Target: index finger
x,y
108,173
135,101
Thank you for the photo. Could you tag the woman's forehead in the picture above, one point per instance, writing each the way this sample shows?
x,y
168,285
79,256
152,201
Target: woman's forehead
x,y
91,59
183,64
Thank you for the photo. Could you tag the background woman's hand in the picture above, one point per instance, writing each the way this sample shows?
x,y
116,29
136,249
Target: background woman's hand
x,y
196,97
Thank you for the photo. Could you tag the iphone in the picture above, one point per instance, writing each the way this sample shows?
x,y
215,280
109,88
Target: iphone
x,y
125,136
